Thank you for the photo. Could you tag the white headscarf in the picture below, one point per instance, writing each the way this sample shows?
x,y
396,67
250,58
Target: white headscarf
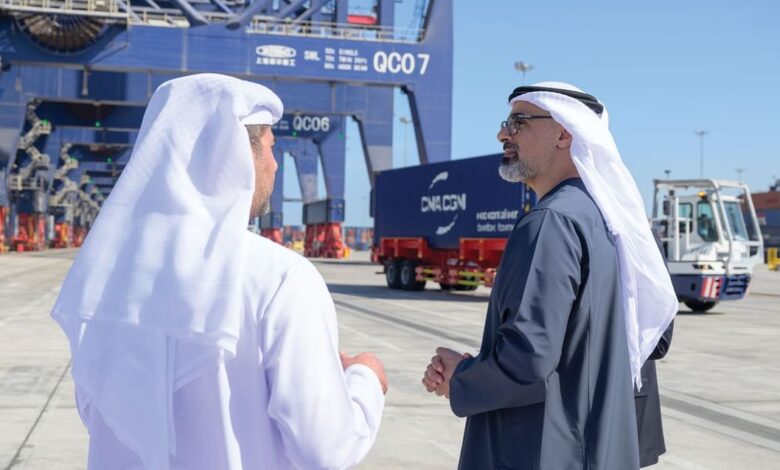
x,y
154,296
650,302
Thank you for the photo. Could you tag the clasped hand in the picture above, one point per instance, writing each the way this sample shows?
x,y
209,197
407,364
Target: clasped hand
x,y
439,372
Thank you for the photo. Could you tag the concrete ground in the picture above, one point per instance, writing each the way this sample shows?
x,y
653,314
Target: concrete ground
x,y
720,383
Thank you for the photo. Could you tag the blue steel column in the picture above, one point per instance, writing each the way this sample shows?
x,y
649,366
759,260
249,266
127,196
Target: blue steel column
x,y
342,11
375,123
386,10
333,151
52,147
430,101
306,158
323,232
292,133
12,116
13,108
298,134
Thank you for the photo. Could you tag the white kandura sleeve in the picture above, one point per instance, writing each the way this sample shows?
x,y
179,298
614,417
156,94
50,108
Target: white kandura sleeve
x,y
327,418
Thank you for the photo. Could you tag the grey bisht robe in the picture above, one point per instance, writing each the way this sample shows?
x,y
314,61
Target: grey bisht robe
x,y
551,387
648,406
648,401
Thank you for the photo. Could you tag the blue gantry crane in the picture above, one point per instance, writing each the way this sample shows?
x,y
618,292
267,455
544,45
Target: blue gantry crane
x,y
75,76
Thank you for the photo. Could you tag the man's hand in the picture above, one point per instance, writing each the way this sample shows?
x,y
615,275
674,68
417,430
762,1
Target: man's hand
x,y
369,360
439,371
433,377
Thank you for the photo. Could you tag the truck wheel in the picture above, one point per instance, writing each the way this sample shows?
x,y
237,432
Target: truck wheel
x,y
699,305
409,277
463,288
393,275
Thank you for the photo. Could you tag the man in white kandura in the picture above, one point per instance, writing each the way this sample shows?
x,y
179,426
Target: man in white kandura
x,y
197,344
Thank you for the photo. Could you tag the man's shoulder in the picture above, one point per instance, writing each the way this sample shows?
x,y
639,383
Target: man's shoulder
x,y
266,255
573,202
543,221
271,268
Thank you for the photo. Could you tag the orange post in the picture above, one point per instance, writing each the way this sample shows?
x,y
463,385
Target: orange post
x,y
62,236
79,233
3,225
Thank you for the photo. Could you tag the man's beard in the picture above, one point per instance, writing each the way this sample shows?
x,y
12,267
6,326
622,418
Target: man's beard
x,y
265,207
515,169
260,208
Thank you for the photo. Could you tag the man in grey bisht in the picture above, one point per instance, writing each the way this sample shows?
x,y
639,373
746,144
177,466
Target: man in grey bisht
x,y
581,298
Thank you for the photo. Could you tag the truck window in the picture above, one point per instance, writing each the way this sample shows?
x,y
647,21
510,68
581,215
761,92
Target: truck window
x,y
736,222
705,222
685,211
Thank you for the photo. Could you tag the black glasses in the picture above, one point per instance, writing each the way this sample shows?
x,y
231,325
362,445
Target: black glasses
x,y
512,125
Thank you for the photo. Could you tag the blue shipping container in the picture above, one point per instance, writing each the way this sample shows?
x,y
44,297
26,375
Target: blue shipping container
x,y
771,237
769,217
444,202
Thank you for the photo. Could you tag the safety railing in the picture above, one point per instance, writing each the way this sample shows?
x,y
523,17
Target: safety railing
x,y
169,18
271,25
174,18
94,8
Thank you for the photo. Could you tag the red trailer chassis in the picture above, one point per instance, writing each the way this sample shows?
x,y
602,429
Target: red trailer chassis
x,y
409,262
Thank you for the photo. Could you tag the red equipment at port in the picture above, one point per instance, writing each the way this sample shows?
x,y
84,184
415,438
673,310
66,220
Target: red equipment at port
x,y
30,233
445,222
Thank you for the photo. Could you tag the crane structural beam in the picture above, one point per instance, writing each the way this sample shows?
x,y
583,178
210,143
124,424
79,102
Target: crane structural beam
x,y
325,61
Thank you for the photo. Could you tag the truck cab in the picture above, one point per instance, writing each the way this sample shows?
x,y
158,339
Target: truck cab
x,y
710,237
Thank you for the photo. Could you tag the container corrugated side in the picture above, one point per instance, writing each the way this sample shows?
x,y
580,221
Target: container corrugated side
x,y
769,217
444,202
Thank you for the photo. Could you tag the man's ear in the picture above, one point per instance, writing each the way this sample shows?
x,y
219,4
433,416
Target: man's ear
x,y
564,139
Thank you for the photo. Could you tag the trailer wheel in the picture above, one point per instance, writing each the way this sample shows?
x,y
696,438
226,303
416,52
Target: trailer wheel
x,y
393,274
408,277
699,305
463,288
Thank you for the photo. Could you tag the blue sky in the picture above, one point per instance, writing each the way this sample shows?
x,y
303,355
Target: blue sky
x,y
664,69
